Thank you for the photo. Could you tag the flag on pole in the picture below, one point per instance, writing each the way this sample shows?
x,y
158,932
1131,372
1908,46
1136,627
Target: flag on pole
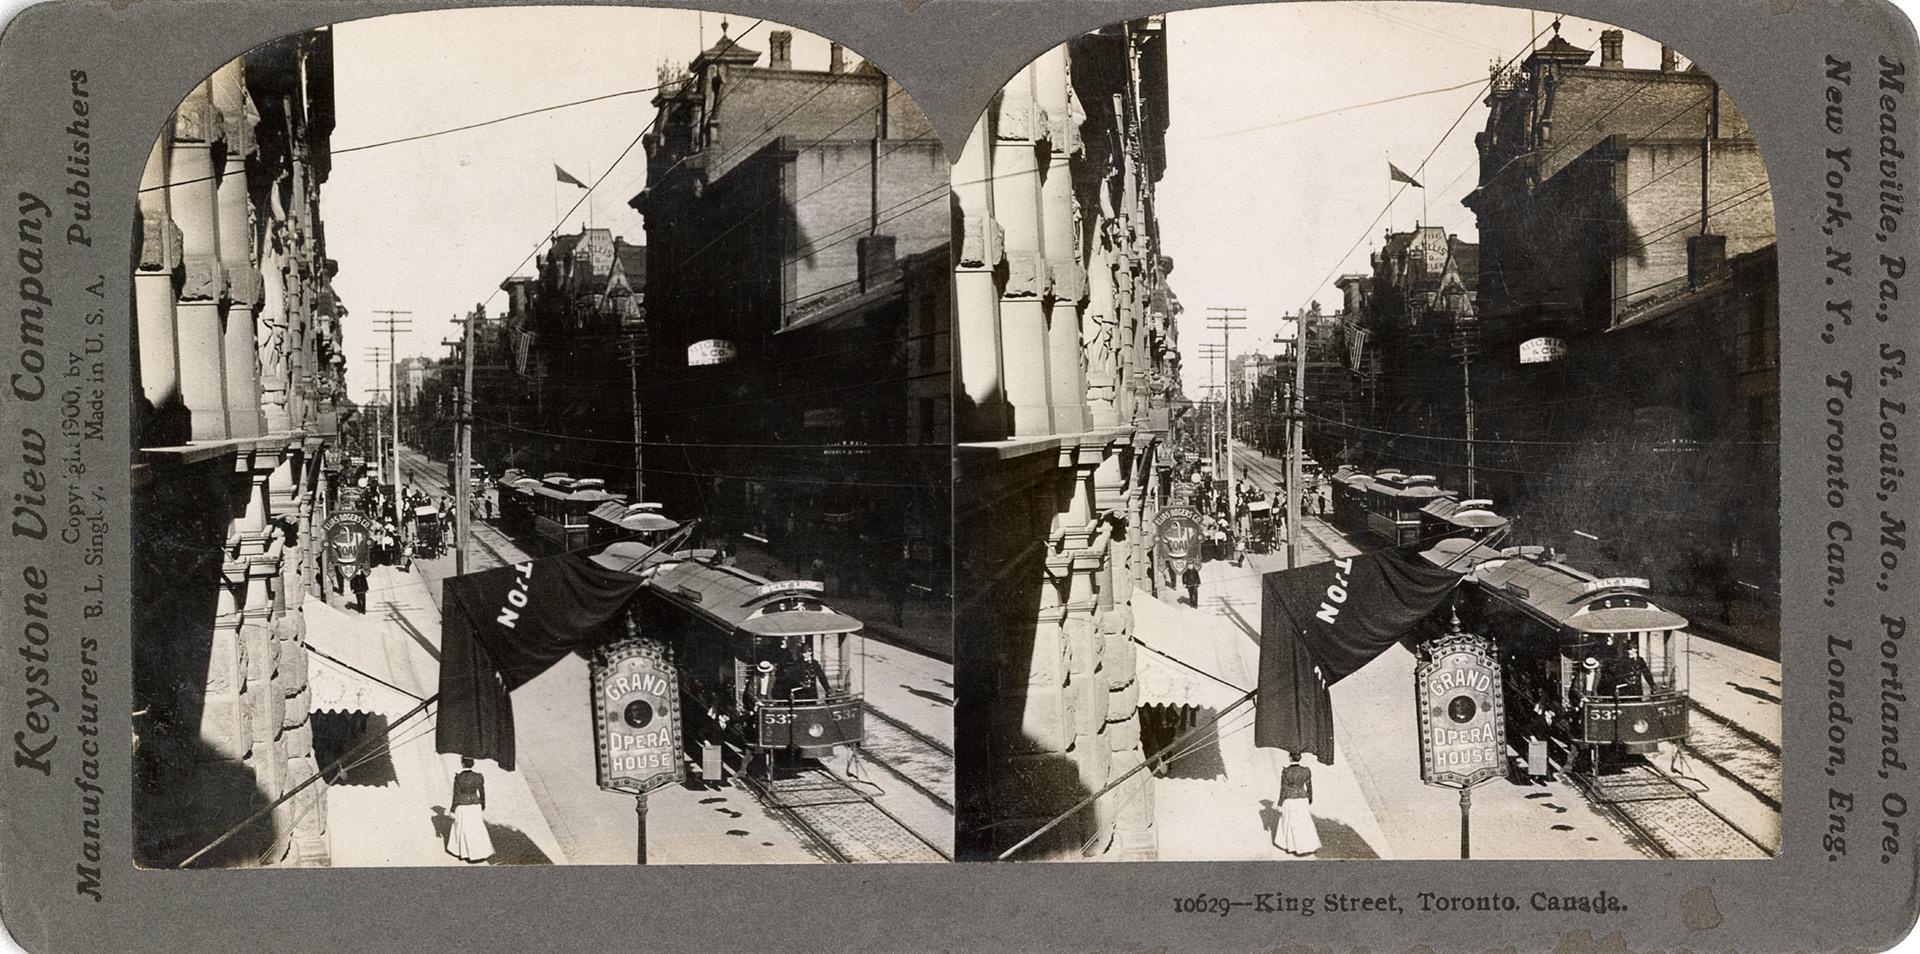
x,y
1393,172
565,176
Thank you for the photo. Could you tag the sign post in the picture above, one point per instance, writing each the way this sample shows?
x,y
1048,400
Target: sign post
x,y
636,715
1463,727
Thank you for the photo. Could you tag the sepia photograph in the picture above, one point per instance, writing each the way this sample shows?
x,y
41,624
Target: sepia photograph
x,y
1366,424
542,451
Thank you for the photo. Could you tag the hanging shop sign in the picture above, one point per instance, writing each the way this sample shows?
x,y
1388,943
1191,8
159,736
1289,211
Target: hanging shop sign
x,y
636,715
1462,718
1179,534
710,352
346,536
1542,350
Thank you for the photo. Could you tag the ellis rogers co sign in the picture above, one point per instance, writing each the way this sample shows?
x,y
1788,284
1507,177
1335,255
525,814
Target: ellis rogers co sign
x,y
1178,532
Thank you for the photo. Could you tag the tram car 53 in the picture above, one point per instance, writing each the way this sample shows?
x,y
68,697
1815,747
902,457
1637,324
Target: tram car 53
x,y
1596,658
785,670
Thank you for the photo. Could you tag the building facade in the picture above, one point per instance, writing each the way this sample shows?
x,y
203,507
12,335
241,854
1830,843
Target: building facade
x,y
1627,374
1067,361
239,373
798,311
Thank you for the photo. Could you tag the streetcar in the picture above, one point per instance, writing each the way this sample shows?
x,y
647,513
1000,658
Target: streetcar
x,y
618,520
515,494
1602,663
560,508
766,662
1449,517
1394,501
1348,489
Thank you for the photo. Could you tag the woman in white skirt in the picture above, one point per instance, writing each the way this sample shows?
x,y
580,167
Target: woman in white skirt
x,y
1297,835
468,839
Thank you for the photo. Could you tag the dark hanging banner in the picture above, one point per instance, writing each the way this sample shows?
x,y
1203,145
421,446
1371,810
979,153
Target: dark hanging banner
x,y
1320,623
500,628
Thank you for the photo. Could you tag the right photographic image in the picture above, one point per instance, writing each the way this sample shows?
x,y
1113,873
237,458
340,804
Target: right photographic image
x,y
1366,446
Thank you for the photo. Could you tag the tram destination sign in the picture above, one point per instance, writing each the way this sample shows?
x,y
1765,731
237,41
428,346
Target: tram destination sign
x,y
1462,715
636,715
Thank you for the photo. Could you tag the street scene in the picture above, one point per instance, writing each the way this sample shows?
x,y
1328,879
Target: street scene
x,y
1436,515
635,551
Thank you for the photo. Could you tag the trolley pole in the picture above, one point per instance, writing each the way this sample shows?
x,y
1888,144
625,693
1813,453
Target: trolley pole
x,y
1226,319
1211,353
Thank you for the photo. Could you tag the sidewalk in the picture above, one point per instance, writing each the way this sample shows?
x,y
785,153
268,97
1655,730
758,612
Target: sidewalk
x,y
1218,803
392,810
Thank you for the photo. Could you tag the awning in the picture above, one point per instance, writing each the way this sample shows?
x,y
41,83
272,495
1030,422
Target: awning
x,y
347,667
1624,619
1167,680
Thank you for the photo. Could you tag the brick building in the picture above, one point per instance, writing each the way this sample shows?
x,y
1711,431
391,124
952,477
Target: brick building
x,y
238,378
1067,361
1627,374
1401,333
798,310
569,333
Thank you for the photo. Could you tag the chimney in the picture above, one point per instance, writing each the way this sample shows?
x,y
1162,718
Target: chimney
x,y
780,49
1669,60
836,58
1706,259
1610,42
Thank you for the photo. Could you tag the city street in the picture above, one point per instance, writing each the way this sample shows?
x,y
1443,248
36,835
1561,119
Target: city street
x,y
555,799
1371,803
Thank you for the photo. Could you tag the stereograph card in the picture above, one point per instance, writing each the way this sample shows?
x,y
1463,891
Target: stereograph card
x,y
1109,462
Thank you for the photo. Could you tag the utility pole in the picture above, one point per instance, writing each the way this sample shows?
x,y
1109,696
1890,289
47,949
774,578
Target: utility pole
x,y
633,351
1297,424
462,477
1463,339
1211,353
1226,319
377,356
390,324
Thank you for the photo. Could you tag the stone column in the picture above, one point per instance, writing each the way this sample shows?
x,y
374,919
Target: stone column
x,y
235,244
1018,130
976,295
153,282
1060,242
195,210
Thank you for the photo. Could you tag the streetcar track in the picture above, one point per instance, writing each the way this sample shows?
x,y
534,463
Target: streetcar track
x,y
813,826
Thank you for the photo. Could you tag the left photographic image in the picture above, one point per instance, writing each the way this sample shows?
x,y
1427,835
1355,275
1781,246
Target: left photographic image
x,y
541,451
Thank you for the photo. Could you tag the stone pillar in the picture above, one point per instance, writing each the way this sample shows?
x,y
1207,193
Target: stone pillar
x,y
195,210
976,294
1018,128
235,245
1102,337
1060,242
153,283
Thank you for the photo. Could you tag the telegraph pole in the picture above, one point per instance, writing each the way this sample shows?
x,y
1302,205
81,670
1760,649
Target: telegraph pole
x,y
1463,339
1227,319
633,351
390,324
1212,353
463,459
377,355
1295,447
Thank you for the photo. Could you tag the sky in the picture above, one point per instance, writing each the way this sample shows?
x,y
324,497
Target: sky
x,y
1293,195
435,225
